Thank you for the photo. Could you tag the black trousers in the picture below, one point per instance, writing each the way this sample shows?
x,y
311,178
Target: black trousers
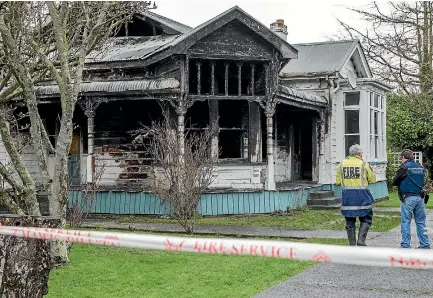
x,y
351,221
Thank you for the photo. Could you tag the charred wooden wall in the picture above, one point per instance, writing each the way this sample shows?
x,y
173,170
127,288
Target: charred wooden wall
x,y
123,163
233,40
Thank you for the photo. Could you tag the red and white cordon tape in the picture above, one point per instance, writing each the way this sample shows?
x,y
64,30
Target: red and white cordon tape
x,y
369,256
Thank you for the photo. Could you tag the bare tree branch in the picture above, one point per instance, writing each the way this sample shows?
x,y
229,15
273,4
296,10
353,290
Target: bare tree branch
x,y
398,43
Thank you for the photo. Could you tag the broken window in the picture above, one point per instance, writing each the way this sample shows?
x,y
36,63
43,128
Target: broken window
x,y
233,124
197,116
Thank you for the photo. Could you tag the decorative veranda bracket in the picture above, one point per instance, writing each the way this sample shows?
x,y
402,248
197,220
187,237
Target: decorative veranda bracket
x,y
89,105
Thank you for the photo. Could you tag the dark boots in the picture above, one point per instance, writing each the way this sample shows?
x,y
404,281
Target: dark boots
x,y
351,235
363,230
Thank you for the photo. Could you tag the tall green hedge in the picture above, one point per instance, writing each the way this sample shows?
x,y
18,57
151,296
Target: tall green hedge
x,y
410,125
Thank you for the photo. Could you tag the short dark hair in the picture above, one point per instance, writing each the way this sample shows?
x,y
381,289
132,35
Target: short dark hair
x,y
406,153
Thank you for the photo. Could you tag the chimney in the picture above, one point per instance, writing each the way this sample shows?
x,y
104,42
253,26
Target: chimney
x,y
280,29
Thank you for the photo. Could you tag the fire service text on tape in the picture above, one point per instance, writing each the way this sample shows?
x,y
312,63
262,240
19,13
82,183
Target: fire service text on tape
x,y
370,256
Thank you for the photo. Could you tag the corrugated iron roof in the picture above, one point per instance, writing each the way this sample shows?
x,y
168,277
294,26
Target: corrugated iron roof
x,y
181,28
114,86
320,57
302,95
128,48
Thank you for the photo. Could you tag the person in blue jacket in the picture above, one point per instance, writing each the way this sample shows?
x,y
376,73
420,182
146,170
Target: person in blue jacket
x,y
410,180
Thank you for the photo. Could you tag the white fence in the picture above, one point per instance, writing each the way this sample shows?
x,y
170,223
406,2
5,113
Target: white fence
x,y
416,154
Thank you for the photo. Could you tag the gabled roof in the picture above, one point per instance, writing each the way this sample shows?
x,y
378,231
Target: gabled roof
x,y
172,24
153,49
322,57
181,44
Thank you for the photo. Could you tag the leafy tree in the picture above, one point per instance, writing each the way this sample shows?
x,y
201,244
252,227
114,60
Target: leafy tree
x,y
410,124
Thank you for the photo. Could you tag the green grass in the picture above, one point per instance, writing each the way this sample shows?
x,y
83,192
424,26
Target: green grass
x,y
306,220
97,271
395,202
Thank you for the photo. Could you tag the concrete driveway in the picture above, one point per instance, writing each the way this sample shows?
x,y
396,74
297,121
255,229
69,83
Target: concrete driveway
x,y
335,280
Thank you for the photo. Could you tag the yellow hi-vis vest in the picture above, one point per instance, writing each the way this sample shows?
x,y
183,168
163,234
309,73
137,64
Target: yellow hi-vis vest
x,y
354,175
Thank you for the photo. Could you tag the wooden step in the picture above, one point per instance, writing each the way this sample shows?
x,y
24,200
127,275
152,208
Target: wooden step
x,y
321,194
324,201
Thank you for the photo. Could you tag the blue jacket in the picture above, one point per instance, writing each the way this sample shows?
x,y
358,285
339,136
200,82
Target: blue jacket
x,y
354,175
402,179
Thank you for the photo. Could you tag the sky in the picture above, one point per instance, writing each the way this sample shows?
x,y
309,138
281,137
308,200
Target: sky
x,y
307,21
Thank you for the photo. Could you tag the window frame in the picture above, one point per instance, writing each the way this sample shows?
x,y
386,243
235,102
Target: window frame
x,y
351,108
377,138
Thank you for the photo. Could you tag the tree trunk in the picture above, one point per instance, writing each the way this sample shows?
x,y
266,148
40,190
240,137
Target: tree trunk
x,y
58,193
25,263
57,196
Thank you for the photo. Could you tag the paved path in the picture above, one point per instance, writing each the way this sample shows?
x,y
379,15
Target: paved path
x,y
335,280
229,230
387,209
219,230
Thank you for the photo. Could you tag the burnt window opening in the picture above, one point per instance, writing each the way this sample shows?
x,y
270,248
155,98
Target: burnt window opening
x,y
117,137
192,82
226,76
219,78
80,131
112,128
233,78
260,79
51,115
234,129
197,116
137,27
206,77
246,79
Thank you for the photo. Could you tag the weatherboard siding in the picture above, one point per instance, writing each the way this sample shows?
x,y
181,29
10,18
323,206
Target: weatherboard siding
x,y
211,204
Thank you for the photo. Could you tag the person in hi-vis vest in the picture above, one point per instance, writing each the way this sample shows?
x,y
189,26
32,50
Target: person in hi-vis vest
x,y
354,175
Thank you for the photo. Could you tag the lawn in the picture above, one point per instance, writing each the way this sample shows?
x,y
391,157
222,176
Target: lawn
x,y
97,271
395,202
305,219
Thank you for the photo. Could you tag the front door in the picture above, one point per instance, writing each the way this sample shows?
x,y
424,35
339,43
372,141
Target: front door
x,y
74,160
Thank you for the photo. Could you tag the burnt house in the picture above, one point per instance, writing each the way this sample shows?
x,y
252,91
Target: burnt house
x,y
286,114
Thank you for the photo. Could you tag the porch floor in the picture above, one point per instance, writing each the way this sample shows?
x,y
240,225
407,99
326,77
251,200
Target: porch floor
x,y
297,184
